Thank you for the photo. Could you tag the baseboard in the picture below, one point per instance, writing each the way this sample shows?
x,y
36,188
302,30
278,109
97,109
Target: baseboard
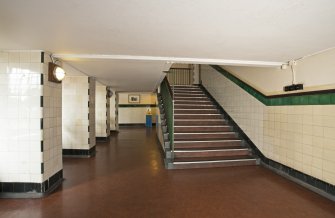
x,y
31,190
84,153
102,139
316,185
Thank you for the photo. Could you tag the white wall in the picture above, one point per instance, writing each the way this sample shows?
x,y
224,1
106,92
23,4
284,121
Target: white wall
x,y
301,137
101,115
52,124
92,119
112,107
75,112
136,114
26,124
315,72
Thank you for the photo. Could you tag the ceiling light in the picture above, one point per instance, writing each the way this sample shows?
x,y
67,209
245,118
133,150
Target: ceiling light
x,y
56,73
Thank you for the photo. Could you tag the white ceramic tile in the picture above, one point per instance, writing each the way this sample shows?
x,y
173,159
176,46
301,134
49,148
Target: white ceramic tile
x,y
302,137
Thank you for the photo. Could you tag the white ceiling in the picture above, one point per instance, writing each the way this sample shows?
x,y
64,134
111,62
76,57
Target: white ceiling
x,y
259,30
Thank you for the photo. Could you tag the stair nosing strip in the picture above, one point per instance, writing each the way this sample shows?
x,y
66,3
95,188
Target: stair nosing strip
x,y
196,109
204,126
189,100
199,119
199,114
194,151
228,140
195,104
203,133
214,161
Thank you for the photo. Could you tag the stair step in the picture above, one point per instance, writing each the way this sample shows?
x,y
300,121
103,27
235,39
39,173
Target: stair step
x,y
187,163
198,116
208,144
190,92
211,152
199,122
222,128
205,136
193,98
194,106
190,95
196,111
186,89
194,102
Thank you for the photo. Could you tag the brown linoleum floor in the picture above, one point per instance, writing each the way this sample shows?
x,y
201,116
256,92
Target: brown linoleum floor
x,y
127,179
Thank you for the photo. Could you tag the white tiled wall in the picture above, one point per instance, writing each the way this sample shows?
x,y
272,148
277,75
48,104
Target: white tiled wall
x,y
75,112
52,124
112,114
108,115
92,88
301,137
101,115
21,116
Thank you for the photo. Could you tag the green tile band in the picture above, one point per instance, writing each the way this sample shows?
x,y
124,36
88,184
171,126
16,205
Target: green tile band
x,y
324,97
137,105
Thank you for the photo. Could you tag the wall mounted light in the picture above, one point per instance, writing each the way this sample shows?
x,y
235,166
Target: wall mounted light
x,y
56,73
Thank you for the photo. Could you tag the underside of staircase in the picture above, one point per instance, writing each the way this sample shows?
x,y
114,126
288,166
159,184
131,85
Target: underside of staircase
x,y
203,138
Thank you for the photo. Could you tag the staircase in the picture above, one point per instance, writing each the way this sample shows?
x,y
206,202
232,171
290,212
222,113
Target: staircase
x,y
202,136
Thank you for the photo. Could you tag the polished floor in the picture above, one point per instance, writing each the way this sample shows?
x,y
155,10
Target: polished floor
x,y
127,179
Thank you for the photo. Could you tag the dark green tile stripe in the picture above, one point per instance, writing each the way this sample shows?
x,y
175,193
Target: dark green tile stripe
x,y
137,105
324,97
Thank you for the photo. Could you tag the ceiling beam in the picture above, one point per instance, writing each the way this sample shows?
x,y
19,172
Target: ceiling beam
x,y
81,57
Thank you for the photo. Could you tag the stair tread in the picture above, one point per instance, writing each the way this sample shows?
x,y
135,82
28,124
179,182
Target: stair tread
x,y
213,148
208,148
219,158
222,140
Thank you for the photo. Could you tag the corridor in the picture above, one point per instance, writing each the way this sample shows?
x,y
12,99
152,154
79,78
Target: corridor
x,y
127,178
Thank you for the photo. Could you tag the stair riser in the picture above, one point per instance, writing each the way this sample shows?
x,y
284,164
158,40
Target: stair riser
x,y
199,123
222,153
183,95
207,144
191,98
179,92
193,102
205,136
176,116
195,111
212,165
193,90
194,106
203,129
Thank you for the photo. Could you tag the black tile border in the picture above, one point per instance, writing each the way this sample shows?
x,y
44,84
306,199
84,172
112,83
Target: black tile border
x,y
79,152
102,139
29,189
318,186
321,187
42,57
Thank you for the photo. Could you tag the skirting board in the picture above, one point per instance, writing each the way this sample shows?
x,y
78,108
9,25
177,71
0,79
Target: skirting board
x,y
31,190
85,153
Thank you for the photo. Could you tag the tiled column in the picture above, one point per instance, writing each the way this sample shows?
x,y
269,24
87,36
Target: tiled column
x,y
102,113
78,115
112,111
30,125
